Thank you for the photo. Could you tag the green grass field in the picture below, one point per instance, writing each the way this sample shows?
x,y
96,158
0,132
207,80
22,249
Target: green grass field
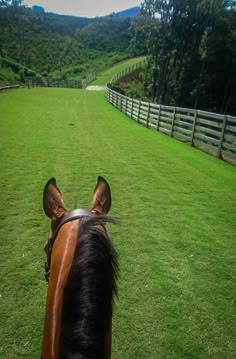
x,y
104,77
176,244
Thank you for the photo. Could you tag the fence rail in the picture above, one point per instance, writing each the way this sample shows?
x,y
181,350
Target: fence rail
x,y
213,133
8,87
85,82
127,71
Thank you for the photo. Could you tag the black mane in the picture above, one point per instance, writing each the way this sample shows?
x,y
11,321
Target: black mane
x,y
88,295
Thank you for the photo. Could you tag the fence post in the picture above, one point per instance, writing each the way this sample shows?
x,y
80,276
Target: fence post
x,y
121,103
194,126
148,115
126,106
139,106
132,106
111,96
159,116
222,135
116,96
173,123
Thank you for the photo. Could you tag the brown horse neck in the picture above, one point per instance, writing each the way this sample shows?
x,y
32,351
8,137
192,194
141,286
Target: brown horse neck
x,y
61,261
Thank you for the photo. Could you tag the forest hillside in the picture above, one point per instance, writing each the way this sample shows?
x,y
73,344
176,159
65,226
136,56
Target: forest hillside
x,y
61,46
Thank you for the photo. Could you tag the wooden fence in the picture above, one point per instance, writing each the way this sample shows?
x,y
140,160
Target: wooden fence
x,y
127,71
211,132
8,87
51,82
89,78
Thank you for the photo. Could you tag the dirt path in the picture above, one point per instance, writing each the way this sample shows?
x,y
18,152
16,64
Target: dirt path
x,y
96,88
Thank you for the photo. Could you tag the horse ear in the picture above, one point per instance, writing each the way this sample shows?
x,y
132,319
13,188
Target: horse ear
x,y
102,196
53,204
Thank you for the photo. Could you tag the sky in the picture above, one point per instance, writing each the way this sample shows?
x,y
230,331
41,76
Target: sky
x,y
87,8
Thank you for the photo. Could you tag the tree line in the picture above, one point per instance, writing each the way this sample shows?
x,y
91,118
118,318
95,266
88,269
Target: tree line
x,y
191,48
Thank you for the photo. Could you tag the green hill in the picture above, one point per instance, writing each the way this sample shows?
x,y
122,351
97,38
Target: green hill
x,y
11,71
62,46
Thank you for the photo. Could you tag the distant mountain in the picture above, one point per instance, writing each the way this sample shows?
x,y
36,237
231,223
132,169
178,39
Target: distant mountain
x,y
132,12
38,8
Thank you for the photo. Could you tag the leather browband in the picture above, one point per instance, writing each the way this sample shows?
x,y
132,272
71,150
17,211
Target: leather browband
x,y
71,216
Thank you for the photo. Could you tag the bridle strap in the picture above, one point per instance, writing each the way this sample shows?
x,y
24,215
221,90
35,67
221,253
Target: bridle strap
x,y
69,217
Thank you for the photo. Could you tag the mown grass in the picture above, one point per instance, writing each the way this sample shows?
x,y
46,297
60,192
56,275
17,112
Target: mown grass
x,y
104,77
176,243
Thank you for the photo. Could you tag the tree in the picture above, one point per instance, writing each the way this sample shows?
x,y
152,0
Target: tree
x,y
5,3
188,46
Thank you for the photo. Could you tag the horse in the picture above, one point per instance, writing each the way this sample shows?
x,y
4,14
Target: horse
x,y
82,271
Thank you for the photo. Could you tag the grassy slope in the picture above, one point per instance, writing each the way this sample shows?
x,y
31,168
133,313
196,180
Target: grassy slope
x,y
176,244
104,77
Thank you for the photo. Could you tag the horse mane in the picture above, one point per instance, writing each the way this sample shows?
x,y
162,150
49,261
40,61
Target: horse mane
x,y
88,295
